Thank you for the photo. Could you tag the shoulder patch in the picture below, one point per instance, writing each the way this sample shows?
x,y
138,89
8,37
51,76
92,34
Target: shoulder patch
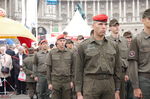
x,y
131,53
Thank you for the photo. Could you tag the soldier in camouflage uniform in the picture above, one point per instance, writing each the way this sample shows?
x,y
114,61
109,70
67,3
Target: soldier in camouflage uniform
x,y
60,70
97,69
40,71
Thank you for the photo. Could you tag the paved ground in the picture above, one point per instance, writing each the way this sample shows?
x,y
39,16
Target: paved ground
x,y
15,97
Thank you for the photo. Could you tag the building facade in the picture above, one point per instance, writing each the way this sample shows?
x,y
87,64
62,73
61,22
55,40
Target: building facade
x,y
54,18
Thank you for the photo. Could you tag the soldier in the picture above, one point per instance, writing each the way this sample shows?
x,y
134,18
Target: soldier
x,y
97,69
69,44
40,71
139,60
123,49
28,68
128,36
60,70
129,89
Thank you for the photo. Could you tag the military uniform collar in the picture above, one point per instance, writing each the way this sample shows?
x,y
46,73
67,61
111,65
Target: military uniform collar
x,y
146,36
58,50
116,39
92,39
30,55
43,52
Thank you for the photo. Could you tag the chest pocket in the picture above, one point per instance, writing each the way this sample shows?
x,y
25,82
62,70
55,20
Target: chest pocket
x,y
55,57
91,52
67,57
124,53
110,55
41,58
144,54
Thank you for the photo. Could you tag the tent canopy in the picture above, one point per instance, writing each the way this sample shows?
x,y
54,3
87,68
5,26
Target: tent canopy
x,y
77,26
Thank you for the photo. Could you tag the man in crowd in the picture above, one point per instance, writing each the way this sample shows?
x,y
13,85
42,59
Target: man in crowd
x,y
139,60
123,49
60,62
5,68
40,71
97,69
18,63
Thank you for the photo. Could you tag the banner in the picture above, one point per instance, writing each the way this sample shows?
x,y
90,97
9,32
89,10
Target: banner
x,y
52,2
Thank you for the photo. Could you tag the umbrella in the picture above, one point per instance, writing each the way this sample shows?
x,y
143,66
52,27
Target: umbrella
x,y
7,41
13,29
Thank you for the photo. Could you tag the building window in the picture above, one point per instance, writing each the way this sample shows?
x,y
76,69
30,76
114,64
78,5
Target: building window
x,y
116,15
55,28
129,17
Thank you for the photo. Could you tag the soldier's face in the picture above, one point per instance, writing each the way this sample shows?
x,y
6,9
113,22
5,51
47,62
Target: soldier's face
x,y
61,42
146,22
115,29
44,46
100,28
129,39
70,46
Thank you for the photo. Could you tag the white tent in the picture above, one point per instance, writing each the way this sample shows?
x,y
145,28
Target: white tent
x,y
77,26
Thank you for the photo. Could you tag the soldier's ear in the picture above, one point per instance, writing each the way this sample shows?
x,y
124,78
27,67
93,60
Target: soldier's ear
x,y
93,25
143,20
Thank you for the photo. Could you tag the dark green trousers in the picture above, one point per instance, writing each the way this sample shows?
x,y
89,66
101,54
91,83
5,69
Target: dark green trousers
x,y
61,88
31,86
123,87
98,88
42,88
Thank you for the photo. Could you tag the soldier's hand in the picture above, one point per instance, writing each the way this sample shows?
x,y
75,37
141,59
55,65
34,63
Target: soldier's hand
x,y
50,87
71,84
79,95
117,96
126,78
31,76
138,93
36,79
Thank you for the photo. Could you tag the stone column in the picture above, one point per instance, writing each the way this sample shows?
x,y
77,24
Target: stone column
x,y
59,8
120,11
85,7
94,12
138,11
111,9
107,7
68,10
6,6
98,7
147,4
72,4
133,10
124,14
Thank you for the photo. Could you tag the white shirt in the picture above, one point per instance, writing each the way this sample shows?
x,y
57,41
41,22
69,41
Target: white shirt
x,y
20,59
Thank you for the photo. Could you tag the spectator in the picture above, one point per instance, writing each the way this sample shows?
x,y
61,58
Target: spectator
x,y
17,63
5,67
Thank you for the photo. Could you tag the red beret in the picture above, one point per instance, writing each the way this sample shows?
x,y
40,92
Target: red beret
x,y
60,37
43,41
100,18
